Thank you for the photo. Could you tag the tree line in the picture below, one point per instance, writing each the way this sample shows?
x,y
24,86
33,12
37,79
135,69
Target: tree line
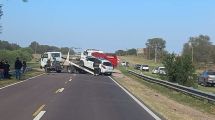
x,y
9,51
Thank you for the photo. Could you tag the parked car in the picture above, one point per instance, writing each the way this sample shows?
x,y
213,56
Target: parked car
x,y
125,64
137,66
159,70
207,78
144,67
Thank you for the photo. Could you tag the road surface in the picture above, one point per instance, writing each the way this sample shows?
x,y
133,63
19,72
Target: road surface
x,y
62,96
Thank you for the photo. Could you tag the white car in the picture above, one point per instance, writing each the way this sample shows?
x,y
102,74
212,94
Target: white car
x,y
105,66
144,67
159,70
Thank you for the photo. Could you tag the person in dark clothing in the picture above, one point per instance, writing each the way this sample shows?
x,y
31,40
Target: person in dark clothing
x,y
96,64
24,66
18,66
1,69
6,70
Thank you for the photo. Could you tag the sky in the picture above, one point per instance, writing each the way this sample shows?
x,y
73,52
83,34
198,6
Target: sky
x,y
108,25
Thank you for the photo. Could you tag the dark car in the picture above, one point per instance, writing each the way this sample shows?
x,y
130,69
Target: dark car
x,y
137,66
207,78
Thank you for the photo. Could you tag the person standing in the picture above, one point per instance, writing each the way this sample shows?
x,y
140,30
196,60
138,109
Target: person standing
x,y
1,69
96,67
24,66
18,66
6,70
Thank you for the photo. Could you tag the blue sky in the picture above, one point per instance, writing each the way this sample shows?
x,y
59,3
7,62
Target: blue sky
x,y
108,25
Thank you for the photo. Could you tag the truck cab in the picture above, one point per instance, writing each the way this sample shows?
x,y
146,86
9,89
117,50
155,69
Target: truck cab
x,y
55,60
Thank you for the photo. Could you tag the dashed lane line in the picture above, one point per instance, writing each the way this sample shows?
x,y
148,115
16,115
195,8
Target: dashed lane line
x,y
40,115
38,110
59,90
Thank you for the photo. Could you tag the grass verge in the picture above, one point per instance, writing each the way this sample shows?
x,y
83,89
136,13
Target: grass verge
x,y
27,75
184,99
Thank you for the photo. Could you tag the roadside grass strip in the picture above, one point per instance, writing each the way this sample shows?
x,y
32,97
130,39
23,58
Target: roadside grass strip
x,y
21,81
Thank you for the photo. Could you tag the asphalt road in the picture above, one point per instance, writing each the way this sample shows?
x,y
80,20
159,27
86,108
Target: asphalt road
x,y
62,96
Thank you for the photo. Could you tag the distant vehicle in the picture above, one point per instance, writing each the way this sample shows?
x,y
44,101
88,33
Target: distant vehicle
x,y
159,70
207,78
144,67
55,59
125,64
137,66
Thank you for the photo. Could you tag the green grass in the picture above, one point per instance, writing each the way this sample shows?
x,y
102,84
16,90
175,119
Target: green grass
x,y
140,60
201,105
27,75
33,64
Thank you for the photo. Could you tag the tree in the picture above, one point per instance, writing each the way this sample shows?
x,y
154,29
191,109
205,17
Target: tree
x,y
131,51
1,12
34,45
201,47
5,45
180,69
120,52
155,48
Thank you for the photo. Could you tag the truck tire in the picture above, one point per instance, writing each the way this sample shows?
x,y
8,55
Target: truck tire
x,y
71,69
58,71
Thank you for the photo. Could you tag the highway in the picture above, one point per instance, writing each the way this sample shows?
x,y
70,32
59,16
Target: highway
x,y
62,96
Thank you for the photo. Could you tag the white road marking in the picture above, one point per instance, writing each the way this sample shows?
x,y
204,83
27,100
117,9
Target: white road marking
x,y
66,82
70,80
21,81
40,115
59,90
38,110
136,100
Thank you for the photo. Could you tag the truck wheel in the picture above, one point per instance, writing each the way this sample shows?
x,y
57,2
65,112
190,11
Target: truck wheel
x,y
71,69
58,71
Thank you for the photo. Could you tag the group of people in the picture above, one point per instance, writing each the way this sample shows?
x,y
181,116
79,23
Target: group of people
x,y
5,68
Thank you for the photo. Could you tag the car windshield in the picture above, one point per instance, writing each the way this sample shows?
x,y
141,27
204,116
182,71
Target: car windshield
x,y
55,54
145,65
107,64
211,73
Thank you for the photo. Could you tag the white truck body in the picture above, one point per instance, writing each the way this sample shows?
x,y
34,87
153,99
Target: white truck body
x,y
50,56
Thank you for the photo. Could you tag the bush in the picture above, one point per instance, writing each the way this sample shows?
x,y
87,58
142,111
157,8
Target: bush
x,y
180,70
10,56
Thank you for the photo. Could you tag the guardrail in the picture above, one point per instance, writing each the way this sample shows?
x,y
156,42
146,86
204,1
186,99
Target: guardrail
x,y
177,87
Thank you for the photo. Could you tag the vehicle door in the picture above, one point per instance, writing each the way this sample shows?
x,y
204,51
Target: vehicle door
x,y
90,62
